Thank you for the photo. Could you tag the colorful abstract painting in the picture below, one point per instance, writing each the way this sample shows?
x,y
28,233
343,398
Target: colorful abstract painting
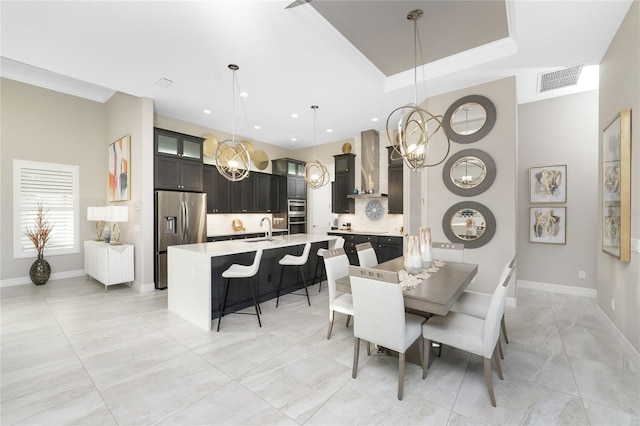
x,y
119,170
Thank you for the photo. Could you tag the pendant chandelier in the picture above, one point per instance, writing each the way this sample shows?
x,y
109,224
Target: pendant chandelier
x,y
315,173
232,157
417,129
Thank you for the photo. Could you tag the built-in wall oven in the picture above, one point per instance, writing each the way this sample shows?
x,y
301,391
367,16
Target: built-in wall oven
x,y
297,216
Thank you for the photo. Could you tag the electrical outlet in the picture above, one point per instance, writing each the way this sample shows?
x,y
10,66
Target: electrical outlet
x,y
613,304
582,275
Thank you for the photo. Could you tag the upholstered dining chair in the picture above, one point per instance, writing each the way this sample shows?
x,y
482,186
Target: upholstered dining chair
x,y
453,252
333,244
366,255
477,304
379,315
337,266
476,335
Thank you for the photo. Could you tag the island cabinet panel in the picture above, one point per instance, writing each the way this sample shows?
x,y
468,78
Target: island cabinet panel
x,y
265,282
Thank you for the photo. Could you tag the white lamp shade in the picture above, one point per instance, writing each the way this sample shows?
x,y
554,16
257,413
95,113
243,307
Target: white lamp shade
x,y
117,214
96,214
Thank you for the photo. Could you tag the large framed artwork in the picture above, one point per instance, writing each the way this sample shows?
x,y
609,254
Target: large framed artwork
x,y
119,170
616,187
548,225
548,184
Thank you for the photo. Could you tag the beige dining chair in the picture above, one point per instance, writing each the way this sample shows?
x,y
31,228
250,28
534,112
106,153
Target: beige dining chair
x,y
452,252
379,315
477,304
337,266
468,333
333,244
366,255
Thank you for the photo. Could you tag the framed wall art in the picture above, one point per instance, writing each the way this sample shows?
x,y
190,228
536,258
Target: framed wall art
x,y
119,170
548,225
616,187
548,184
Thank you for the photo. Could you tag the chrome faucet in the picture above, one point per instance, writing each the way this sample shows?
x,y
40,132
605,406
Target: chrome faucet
x,y
269,235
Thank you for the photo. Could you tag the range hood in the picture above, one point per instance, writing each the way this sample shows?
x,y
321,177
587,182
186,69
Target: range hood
x,y
369,165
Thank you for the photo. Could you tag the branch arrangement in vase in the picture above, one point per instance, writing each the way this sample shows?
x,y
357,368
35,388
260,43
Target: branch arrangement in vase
x,y
40,233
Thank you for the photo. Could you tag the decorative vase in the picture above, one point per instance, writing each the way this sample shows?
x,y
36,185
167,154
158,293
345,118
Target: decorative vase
x,y
412,255
40,271
425,244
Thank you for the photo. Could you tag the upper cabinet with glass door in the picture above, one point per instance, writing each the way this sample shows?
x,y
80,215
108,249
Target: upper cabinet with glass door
x,y
178,144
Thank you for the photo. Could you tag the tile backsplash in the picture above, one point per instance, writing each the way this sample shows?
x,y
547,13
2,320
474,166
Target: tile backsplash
x,y
360,222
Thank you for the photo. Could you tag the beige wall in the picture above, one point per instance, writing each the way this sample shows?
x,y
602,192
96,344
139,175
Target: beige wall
x,y
561,130
43,125
500,198
620,88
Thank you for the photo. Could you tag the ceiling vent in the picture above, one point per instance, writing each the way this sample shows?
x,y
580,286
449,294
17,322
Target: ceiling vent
x,y
559,78
164,83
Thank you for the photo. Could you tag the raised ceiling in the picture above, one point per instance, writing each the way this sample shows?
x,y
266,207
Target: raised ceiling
x,y
354,59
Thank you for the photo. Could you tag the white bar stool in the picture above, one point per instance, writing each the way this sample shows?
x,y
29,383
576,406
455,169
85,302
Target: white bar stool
x,y
242,271
300,261
337,243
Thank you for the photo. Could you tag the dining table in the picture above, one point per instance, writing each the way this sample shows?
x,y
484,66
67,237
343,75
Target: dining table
x,y
434,295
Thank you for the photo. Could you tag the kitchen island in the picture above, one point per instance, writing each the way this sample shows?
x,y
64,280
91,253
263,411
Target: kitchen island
x,y
194,273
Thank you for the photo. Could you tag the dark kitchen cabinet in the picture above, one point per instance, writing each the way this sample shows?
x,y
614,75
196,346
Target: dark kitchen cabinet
x,y
395,180
386,247
266,193
344,184
296,187
243,195
389,248
178,161
217,188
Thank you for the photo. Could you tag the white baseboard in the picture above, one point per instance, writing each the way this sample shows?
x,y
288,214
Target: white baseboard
x,y
558,288
142,288
54,276
632,350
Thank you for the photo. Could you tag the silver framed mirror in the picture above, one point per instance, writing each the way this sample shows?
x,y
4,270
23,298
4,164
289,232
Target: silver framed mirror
x,y
469,119
470,223
469,172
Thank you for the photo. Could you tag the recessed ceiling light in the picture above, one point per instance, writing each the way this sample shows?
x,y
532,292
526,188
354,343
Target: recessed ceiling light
x,y
374,119
294,115
206,111
329,130
257,127
294,139
244,95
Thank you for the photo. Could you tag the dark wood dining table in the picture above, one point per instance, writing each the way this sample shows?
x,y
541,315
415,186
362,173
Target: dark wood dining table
x,y
435,295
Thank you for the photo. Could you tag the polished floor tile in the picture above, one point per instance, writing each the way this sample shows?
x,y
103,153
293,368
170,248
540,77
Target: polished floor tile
x,y
71,354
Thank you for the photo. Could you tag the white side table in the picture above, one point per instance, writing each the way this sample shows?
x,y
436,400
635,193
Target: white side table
x,y
109,264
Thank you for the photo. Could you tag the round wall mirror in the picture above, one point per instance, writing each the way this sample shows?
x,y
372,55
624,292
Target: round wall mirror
x,y
469,172
469,119
469,223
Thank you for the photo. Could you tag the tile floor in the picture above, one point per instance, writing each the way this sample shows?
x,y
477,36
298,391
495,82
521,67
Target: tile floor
x,y
71,354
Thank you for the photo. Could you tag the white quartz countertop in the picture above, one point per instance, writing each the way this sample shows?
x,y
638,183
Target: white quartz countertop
x,y
237,233
224,248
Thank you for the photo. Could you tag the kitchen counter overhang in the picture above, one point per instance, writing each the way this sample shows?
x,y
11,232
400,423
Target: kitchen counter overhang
x,y
190,272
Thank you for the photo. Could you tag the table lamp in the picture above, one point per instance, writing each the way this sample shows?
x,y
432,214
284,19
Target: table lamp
x,y
117,214
97,215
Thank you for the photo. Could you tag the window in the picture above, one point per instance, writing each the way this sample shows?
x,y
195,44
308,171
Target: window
x,y
56,186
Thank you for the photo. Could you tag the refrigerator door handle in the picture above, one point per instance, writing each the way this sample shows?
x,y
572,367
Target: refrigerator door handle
x,y
186,221
182,220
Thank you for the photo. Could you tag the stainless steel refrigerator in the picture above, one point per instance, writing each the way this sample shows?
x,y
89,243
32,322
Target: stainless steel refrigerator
x,y
181,218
